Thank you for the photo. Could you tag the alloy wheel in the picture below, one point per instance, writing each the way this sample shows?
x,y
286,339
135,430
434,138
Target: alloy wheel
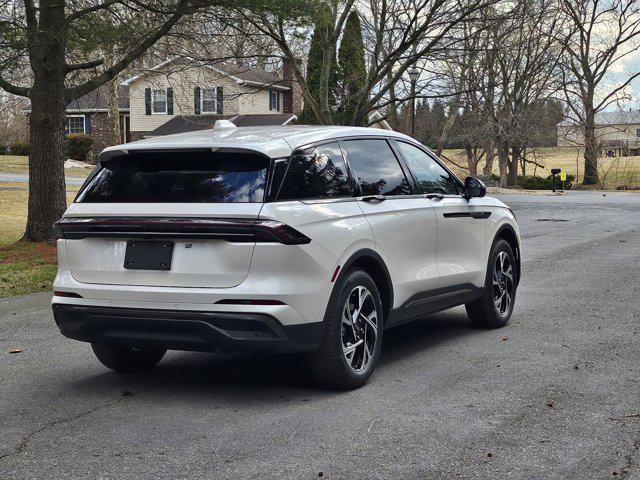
x,y
359,329
503,284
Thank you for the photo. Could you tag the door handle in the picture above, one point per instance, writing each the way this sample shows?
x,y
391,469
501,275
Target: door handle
x,y
373,198
434,196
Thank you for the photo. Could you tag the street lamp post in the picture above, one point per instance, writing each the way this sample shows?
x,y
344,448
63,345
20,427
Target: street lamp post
x,y
414,73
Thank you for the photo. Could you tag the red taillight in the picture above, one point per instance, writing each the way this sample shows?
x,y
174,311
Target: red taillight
x,y
274,231
58,293
249,302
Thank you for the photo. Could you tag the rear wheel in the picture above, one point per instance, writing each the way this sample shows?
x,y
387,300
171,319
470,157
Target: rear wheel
x,y
493,309
127,359
352,338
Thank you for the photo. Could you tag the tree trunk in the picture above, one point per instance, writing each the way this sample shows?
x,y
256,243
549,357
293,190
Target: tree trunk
x,y
47,195
512,180
472,160
590,150
503,162
113,113
489,154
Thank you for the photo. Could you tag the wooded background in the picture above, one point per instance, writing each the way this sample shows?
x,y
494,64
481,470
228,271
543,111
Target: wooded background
x,y
495,76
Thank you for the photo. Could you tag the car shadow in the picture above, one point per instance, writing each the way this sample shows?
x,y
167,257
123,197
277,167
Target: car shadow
x,y
278,376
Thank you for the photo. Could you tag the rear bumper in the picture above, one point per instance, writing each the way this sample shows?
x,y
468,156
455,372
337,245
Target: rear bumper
x,y
185,330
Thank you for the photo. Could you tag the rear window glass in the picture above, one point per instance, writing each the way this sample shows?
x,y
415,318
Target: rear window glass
x,y
316,173
179,177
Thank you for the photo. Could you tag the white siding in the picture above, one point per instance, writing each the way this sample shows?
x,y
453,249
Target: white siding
x,y
256,101
183,83
573,136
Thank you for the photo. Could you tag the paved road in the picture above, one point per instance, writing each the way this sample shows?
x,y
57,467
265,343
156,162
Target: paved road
x,y
555,395
24,178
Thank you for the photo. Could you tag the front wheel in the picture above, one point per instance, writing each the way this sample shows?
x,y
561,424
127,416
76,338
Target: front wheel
x,y
352,338
127,359
493,309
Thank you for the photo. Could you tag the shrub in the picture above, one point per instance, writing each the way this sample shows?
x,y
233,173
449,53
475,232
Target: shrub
x,y
79,146
19,147
532,182
3,149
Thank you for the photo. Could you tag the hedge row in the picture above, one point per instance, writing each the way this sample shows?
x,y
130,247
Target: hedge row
x,y
78,147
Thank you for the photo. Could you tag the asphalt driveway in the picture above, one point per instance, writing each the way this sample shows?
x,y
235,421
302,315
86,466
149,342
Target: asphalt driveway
x,y
556,394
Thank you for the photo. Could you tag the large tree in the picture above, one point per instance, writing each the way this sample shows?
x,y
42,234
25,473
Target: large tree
x,y
396,35
42,58
321,55
353,71
599,35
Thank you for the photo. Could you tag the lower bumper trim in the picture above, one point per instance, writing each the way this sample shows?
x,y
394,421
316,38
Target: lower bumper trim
x,y
185,330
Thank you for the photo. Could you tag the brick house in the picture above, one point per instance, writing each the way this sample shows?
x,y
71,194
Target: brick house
x,y
88,114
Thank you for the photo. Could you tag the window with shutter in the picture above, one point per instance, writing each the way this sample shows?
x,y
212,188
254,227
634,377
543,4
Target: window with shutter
x,y
209,100
159,102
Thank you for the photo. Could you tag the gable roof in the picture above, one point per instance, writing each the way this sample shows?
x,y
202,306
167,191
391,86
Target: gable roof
x,y
253,76
628,117
96,101
193,123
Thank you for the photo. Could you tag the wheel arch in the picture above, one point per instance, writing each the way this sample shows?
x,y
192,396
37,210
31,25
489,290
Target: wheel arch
x,y
372,263
507,233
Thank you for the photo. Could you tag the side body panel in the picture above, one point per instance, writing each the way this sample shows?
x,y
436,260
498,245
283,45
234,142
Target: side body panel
x,y
405,232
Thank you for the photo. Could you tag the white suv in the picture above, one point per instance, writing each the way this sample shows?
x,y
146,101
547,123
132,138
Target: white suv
x,y
277,239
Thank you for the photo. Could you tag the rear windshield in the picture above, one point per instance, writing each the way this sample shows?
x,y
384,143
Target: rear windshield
x,y
179,177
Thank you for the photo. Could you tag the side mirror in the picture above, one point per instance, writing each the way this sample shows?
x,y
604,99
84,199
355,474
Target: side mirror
x,y
474,187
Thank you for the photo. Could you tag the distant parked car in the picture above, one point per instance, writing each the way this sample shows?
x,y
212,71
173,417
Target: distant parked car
x,y
277,239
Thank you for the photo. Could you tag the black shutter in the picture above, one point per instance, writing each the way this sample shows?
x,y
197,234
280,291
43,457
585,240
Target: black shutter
x,y
196,100
147,101
169,101
270,100
87,123
278,101
219,98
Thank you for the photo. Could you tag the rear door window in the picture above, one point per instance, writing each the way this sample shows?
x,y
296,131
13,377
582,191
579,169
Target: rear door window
x,y
375,168
179,177
319,172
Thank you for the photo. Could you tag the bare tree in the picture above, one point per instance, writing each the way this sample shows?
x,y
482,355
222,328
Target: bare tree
x,y
61,44
599,34
397,35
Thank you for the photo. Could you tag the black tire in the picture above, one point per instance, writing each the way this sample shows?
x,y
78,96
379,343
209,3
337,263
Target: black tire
x,y
127,359
329,365
484,312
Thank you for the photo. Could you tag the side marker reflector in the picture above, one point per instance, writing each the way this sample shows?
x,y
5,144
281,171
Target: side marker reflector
x,y
335,274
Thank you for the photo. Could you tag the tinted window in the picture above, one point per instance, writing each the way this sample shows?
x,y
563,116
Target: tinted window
x,y
316,173
186,177
431,177
376,168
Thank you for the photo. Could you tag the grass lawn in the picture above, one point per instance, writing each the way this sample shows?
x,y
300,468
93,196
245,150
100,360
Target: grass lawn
x,y
19,164
24,267
614,172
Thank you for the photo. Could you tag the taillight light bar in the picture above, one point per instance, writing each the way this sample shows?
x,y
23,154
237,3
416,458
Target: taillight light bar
x,y
233,230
